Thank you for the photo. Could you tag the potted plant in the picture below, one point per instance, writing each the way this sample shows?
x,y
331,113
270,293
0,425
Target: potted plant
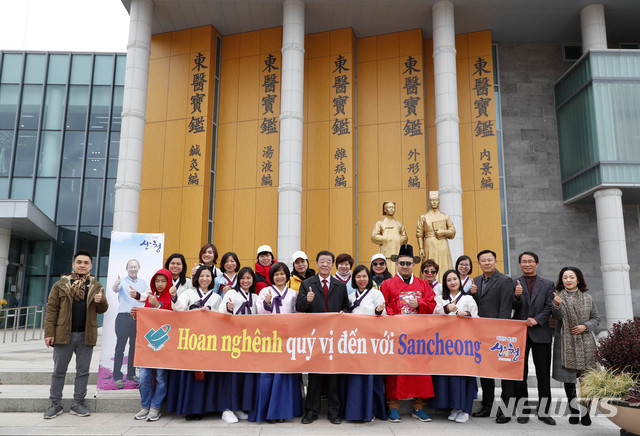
x,y
617,380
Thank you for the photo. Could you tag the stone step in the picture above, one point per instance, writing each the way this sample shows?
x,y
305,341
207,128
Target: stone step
x,y
40,377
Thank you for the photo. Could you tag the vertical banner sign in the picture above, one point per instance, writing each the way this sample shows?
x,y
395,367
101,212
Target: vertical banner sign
x,y
269,137
412,129
483,126
133,260
196,131
341,127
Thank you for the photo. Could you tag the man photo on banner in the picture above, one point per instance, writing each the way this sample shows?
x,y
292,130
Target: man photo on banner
x,y
125,325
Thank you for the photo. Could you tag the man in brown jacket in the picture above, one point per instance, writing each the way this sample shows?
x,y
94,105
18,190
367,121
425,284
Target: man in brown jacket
x,y
71,326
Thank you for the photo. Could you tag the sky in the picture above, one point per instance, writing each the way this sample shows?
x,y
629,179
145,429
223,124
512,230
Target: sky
x,y
64,25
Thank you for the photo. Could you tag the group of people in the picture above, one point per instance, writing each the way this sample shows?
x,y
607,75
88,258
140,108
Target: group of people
x,y
272,288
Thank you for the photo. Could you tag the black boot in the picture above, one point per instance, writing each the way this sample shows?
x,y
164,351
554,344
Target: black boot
x,y
570,390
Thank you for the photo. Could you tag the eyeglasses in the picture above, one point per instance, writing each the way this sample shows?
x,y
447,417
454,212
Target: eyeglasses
x,y
429,271
405,263
379,263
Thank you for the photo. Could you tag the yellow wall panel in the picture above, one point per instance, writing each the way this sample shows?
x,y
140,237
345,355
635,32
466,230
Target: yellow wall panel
x,y
469,224
180,42
368,159
319,89
223,218
341,220
160,46
174,155
178,97
467,158
228,109
244,214
390,163
487,215
271,40
153,155
250,43
246,171
249,90
480,44
150,203
317,222
317,45
462,46
367,49
432,159
367,86
341,42
410,43
191,221
317,173
230,48
464,93
170,218
388,91
266,227
156,93
414,204
226,157
201,39
388,46
369,211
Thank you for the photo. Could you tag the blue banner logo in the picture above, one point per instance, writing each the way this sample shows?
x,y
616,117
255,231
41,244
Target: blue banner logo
x,y
157,338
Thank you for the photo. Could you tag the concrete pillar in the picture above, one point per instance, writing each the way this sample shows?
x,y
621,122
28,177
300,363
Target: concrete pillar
x,y
5,240
592,26
613,256
291,124
447,121
127,188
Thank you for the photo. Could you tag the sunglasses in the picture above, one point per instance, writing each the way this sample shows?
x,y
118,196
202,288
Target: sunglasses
x,y
405,263
429,271
378,263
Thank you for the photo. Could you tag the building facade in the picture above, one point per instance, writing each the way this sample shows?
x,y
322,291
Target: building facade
x,y
60,121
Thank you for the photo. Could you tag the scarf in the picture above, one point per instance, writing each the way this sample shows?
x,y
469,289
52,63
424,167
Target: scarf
x,y
78,286
202,302
245,308
359,299
578,351
460,294
344,278
276,301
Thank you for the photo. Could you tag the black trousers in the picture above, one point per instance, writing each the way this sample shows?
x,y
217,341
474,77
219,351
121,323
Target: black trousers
x,y
125,331
488,386
542,362
314,391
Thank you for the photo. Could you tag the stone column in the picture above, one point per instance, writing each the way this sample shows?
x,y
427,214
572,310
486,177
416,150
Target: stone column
x,y
593,29
447,121
5,240
127,188
291,124
613,256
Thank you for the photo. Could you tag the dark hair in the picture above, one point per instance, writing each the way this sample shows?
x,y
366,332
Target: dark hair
x,y
384,203
344,257
265,252
429,262
196,277
226,257
530,253
445,289
183,273
82,253
325,253
465,257
487,251
279,266
358,270
241,273
582,285
386,274
204,248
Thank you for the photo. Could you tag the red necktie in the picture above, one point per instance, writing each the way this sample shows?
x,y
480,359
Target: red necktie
x,y
325,289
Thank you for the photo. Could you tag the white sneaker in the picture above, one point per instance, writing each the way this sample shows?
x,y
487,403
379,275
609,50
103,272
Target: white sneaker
x,y
142,414
241,414
462,417
454,414
154,414
229,416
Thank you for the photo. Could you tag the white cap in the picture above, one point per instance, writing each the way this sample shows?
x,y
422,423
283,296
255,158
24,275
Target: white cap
x,y
299,255
378,256
265,248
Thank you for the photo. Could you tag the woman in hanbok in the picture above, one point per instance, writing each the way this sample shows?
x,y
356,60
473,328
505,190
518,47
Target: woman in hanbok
x,y
278,396
454,391
229,278
177,265
362,395
464,266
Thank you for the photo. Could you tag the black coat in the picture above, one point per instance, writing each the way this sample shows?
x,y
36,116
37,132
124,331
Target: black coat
x,y
537,306
495,300
338,297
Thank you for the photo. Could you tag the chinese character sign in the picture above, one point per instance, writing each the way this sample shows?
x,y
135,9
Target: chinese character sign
x,y
196,122
268,122
412,121
483,123
341,122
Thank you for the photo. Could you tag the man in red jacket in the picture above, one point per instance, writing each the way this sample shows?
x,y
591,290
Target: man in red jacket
x,y
406,294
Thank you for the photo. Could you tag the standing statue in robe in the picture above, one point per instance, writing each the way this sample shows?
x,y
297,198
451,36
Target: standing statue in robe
x,y
433,231
389,234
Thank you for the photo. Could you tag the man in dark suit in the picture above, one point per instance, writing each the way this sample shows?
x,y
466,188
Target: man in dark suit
x,y
493,295
532,302
318,294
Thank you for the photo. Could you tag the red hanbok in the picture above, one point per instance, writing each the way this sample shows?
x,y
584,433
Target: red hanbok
x,y
397,294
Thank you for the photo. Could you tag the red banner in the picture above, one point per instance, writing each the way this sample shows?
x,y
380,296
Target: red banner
x,y
331,343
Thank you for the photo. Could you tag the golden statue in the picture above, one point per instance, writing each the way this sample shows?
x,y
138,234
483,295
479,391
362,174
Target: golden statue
x,y
434,228
389,234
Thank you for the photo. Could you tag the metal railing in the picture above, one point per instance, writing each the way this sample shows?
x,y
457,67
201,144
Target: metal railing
x,y
17,320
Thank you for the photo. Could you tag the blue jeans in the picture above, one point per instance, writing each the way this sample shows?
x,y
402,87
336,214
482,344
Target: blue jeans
x,y
149,396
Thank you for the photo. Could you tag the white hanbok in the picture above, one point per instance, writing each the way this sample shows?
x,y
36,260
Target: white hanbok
x,y
368,301
462,301
243,303
281,302
192,296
